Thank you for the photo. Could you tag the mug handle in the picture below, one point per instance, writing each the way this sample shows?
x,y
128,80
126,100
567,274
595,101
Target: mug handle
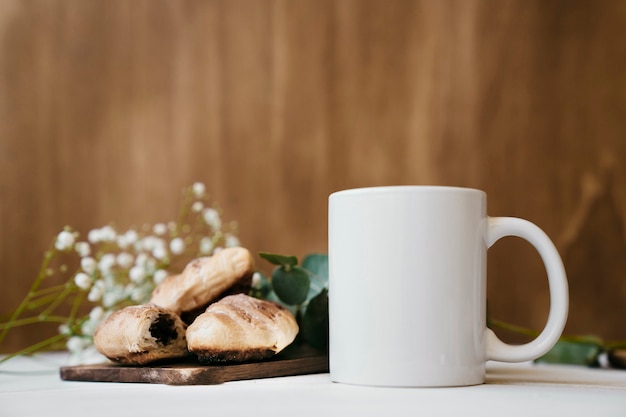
x,y
497,350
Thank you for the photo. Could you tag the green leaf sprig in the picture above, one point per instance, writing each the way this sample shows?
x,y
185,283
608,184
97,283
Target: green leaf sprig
x,y
572,349
303,289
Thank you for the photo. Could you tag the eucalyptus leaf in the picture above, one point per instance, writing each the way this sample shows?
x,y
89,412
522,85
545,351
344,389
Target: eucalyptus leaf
x,y
317,264
271,296
280,260
315,321
291,285
317,267
573,353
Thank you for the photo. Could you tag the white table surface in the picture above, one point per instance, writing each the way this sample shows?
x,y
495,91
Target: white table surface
x,y
30,386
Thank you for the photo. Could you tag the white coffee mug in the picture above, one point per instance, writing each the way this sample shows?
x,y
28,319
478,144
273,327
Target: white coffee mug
x,y
407,287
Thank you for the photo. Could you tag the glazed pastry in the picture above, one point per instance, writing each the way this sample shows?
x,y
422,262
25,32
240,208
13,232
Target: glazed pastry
x,y
141,334
204,280
241,328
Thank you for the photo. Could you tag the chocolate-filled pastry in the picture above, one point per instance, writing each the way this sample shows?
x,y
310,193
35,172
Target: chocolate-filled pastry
x,y
205,280
141,334
241,328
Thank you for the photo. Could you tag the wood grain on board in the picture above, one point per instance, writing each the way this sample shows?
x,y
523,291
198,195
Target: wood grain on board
x,y
298,362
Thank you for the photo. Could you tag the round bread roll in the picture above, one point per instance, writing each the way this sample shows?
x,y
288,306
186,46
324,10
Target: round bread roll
x,y
241,328
204,280
141,334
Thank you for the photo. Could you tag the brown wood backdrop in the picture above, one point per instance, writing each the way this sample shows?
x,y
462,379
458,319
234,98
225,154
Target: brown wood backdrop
x,y
108,108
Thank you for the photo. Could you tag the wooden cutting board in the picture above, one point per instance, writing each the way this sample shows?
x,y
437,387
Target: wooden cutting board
x,y
299,361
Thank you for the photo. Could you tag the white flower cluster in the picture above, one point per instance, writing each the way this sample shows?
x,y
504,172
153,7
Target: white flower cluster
x,y
65,240
123,268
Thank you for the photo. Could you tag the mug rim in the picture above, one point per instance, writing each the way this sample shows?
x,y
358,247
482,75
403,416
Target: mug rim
x,y
406,189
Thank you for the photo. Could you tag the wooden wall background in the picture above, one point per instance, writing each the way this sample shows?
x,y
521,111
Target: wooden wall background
x,y
108,108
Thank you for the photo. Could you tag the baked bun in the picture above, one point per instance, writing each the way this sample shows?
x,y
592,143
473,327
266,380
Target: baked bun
x,y
204,280
141,334
241,328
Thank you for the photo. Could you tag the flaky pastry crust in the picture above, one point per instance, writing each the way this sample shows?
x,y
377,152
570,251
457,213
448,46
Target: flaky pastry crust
x,y
204,280
241,328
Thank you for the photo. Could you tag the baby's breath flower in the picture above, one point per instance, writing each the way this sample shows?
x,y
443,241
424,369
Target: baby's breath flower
x,y
77,343
82,248
177,246
137,274
127,239
159,229
96,313
82,281
131,235
113,295
94,236
88,327
64,329
197,206
199,189
149,243
106,262
104,234
96,292
206,245
231,241
125,260
122,242
212,218
88,265
256,279
140,245
141,259
159,276
109,280
159,252
65,240
150,266
140,293
107,234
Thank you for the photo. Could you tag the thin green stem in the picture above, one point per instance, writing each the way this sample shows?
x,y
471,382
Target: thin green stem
x,y
590,339
42,301
183,210
620,344
60,298
34,348
76,305
512,328
40,277
587,339
47,291
33,320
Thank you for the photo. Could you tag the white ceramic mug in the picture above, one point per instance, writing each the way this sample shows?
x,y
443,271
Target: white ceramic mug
x,y
407,287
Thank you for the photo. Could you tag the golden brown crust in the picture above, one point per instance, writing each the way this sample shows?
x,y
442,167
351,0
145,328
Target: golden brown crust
x,y
241,328
141,334
204,280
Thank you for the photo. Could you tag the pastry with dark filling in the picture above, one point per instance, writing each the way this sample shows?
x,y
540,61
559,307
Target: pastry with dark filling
x,y
141,334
